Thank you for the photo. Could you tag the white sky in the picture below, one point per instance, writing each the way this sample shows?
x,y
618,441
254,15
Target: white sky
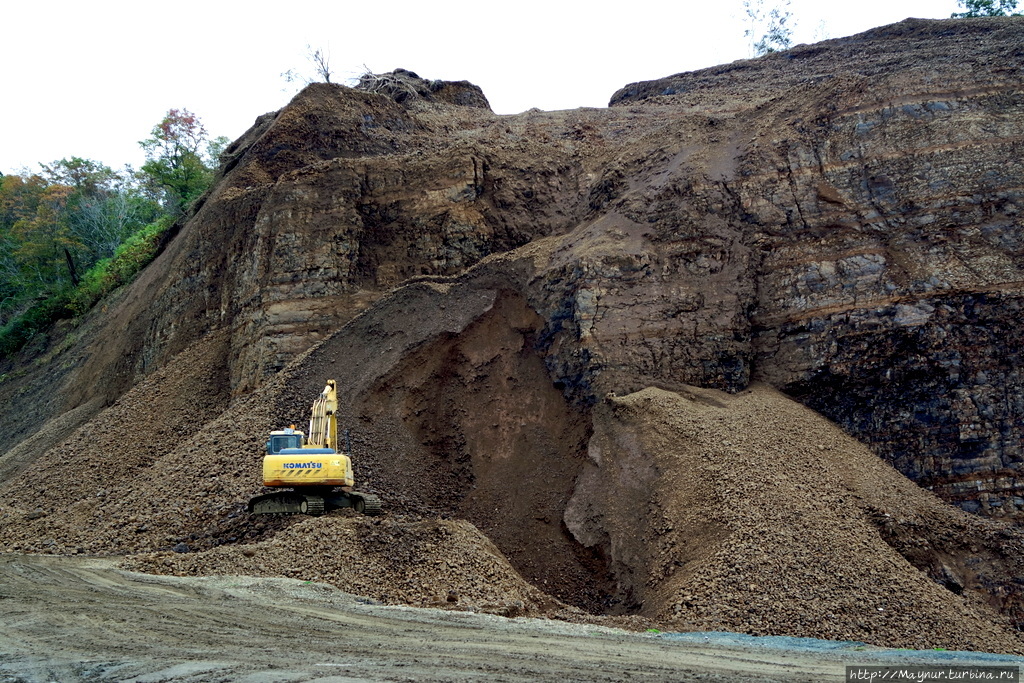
x,y
91,79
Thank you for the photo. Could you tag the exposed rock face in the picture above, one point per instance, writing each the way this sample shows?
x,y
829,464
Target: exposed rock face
x,y
881,229
840,221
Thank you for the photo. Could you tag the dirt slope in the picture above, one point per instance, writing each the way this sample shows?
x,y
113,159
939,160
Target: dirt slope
x,y
518,309
761,516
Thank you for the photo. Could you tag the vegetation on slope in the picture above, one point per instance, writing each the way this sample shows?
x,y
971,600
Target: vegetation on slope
x,y
77,230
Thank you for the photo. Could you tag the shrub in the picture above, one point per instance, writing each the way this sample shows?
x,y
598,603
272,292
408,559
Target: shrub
x,y
134,254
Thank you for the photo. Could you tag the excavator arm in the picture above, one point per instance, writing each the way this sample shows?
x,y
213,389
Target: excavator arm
x,y
323,425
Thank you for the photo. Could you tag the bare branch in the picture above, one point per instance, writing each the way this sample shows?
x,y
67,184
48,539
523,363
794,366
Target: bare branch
x,y
321,60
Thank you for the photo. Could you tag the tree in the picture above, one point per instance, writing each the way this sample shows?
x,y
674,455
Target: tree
x,y
77,230
85,175
100,224
42,240
57,224
770,25
102,209
177,159
321,61
986,8
19,196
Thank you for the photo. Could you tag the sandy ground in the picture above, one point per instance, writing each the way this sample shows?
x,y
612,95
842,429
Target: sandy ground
x,y
81,619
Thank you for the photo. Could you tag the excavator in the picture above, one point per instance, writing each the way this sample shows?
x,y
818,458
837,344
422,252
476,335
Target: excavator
x,y
318,475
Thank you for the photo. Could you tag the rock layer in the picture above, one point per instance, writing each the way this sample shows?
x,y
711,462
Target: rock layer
x,y
498,295
839,220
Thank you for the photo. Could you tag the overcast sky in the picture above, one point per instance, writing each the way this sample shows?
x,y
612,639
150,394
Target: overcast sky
x,y
91,79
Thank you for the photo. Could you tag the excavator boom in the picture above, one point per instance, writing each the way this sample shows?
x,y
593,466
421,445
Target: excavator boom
x,y
323,425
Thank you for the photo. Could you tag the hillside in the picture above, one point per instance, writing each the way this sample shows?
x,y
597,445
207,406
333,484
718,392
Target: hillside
x,y
671,361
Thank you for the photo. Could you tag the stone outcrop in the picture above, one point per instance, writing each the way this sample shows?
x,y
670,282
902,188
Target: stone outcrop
x,y
519,309
840,221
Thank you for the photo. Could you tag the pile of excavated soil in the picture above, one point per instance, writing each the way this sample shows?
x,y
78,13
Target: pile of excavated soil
x,y
395,560
762,517
164,465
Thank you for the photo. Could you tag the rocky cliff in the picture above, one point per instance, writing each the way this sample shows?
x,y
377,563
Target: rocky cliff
x,y
876,202
501,293
840,220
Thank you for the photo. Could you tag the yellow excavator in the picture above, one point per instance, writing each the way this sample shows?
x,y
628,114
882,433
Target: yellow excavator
x,y
318,475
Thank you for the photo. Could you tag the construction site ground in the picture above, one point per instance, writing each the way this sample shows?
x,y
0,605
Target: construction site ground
x,y
83,619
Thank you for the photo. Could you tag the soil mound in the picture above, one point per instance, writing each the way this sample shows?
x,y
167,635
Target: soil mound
x,y
428,563
169,463
401,85
750,513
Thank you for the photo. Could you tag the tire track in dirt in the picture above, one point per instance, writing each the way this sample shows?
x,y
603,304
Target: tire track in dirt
x,y
81,619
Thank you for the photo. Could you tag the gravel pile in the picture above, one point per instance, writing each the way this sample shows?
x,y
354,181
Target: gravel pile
x,y
153,470
765,518
394,560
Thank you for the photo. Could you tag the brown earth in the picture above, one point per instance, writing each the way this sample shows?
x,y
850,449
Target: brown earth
x,y
695,509
81,619
518,310
396,561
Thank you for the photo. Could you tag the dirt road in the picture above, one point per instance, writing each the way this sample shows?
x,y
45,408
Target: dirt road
x,y
81,619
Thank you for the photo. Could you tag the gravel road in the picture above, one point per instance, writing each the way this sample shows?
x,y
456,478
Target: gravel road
x,y
82,619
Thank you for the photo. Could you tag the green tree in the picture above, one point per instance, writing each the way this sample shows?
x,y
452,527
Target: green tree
x,y
101,223
77,230
178,159
986,8
85,175
57,224
102,208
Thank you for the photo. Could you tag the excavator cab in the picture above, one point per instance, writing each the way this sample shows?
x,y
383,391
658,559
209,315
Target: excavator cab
x,y
285,438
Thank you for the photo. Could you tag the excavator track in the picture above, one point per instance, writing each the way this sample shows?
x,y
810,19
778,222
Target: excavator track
x,y
366,503
295,503
287,503
312,505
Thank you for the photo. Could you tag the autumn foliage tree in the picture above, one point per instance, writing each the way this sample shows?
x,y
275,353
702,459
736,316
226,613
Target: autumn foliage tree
x,y
77,229
180,159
